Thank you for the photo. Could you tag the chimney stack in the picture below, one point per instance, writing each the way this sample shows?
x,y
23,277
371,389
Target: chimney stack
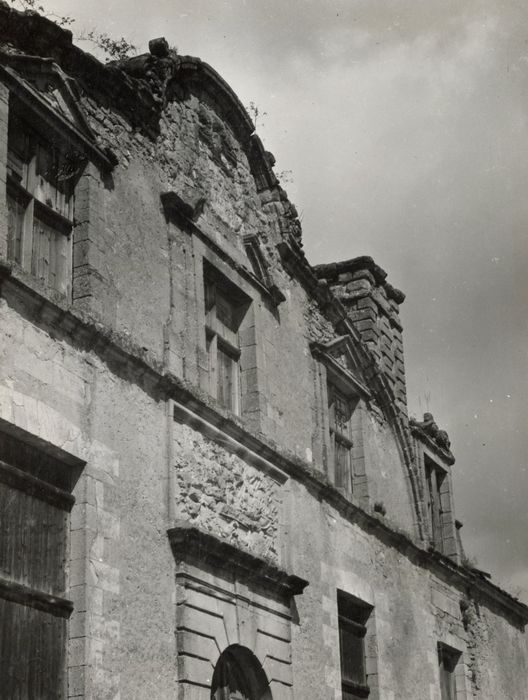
x,y
372,305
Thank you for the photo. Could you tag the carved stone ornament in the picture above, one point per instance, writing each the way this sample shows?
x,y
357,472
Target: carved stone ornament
x,y
431,429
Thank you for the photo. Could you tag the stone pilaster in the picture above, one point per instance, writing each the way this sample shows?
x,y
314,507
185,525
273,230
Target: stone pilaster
x,y
91,288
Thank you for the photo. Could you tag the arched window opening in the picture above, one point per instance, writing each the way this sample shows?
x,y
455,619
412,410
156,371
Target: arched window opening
x,y
238,675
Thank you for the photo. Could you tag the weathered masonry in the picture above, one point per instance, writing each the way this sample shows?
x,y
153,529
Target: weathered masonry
x,y
209,484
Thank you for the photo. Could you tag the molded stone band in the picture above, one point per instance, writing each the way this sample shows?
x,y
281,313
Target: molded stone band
x,y
188,542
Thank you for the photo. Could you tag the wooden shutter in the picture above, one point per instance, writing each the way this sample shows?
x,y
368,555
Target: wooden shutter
x,y
15,227
340,412
33,610
226,379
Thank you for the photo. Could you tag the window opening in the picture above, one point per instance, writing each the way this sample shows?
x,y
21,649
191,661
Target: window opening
x,y
434,478
352,618
225,307
340,414
35,501
447,662
41,176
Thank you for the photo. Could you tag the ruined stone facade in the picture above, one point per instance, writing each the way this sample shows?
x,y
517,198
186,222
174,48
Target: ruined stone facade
x,y
210,485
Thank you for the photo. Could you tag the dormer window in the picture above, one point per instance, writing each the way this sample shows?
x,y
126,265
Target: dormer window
x,y
435,481
342,396
340,409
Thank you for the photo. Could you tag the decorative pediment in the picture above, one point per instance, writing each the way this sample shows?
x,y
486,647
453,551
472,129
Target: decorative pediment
x,y
51,97
48,82
339,358
261,267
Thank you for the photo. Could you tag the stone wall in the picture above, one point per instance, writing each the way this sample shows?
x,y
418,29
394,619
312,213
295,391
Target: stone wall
x,y
221,494
414,610
497,649
120,576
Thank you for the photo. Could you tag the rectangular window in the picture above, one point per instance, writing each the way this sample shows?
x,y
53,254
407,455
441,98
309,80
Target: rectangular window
x,y
340,414
434,478
40,185
35,501
352,617
225,308
447,662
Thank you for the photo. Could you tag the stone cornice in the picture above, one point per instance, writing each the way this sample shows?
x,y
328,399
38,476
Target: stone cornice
x,y
331,271
190,544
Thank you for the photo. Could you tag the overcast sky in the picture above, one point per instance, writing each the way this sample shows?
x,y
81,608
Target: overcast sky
x,y
404,126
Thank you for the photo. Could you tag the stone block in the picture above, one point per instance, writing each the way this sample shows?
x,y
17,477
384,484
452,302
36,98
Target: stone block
x,y
192,644
267,645
77,625
202,622
78,652
366,325
280,691
190,691
367,302
77,681
192,669
278,670
84,516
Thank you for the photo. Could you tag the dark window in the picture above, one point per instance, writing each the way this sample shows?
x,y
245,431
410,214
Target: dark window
x,y
352,617
340,413
225,307
447,661
35,501
41,175
434,478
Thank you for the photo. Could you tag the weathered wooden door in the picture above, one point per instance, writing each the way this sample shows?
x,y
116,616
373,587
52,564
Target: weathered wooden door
x,y
33,611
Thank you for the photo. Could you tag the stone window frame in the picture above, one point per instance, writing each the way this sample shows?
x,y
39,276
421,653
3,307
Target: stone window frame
x,y
341,409
39,231
193,244
77,139
332,377
352,618
251,398
456,656
226,308
350,588
443,536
